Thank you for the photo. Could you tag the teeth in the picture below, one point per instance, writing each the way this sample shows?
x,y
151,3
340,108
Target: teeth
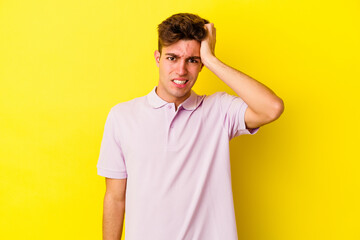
x,y
179,82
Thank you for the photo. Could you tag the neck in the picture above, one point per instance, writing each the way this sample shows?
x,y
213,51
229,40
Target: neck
x,y
171,99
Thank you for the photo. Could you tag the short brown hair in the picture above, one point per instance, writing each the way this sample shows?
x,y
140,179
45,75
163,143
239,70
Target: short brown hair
x,y
180,26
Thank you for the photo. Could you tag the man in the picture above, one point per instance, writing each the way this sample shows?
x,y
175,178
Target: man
x,y
165,155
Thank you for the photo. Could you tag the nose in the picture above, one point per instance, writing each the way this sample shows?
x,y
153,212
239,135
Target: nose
x,y
181,68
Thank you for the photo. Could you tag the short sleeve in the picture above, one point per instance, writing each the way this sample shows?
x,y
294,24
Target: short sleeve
x,y
233,110
111,163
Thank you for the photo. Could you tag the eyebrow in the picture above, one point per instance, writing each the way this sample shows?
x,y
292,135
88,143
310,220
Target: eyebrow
x,y
174,55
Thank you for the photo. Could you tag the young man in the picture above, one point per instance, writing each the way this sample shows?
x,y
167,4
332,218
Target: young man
x,y
165,155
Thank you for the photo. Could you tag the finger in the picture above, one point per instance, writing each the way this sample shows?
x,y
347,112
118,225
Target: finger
x,y
209,26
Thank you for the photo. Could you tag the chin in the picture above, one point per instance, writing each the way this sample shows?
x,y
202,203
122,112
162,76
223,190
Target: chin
x,y
182,94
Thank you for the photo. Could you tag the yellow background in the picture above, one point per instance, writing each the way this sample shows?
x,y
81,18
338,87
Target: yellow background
x,y
64,64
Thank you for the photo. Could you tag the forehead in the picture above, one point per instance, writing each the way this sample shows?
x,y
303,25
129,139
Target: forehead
x,y
183,48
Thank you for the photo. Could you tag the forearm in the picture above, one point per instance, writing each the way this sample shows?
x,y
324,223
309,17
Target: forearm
x,y
257,96
113,217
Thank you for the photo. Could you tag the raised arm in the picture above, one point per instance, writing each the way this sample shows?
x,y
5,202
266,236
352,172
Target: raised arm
x,y
264,106
114,208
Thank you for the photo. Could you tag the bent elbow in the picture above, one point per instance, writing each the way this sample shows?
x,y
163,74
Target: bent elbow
x,y
277,109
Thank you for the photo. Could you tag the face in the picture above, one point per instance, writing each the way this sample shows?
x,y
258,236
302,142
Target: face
x,y
179,65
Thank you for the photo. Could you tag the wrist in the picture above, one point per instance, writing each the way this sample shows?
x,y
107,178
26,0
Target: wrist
x,y
210,60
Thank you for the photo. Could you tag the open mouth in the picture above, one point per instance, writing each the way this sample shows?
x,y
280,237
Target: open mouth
x,y
180,83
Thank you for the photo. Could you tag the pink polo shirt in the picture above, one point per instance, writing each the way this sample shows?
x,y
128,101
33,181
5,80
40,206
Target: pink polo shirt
x,y
176,164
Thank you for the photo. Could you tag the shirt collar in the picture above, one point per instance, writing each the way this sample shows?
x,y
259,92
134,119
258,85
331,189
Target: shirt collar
x,y
191,103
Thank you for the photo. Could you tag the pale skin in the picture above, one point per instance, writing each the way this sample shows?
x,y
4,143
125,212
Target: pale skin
x,y
114,208
183,61
264,106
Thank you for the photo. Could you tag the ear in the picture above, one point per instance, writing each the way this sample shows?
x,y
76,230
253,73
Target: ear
x,y
157,57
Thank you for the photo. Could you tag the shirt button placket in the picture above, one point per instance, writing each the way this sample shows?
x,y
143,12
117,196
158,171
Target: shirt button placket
x,y
172,115
170,119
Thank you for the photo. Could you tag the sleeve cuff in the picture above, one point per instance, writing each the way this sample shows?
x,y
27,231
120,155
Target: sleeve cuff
x,y
252,130
111,174
245,130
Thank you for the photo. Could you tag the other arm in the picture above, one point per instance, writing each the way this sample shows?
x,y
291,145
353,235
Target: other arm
x,y
114,208
264,106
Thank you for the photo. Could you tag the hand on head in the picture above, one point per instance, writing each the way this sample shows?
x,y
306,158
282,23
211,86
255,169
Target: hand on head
x,y
207,48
